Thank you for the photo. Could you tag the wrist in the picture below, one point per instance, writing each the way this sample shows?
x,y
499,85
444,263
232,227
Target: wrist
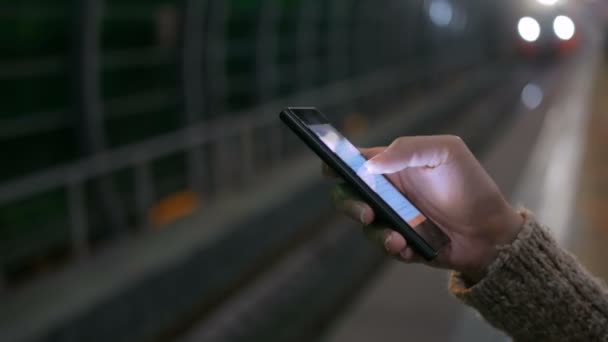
x,y
509,227
502,232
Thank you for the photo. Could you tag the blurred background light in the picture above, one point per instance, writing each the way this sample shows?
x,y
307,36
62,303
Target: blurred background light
x,y
547,2
528,29
563,27
532,96
441,12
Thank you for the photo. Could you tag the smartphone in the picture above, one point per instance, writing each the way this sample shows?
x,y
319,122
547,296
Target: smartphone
x,y
389,204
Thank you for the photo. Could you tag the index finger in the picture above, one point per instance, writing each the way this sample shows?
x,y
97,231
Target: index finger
x,y
370,152
367,152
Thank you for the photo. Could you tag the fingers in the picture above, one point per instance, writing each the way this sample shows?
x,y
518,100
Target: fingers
x,y
370,152
408,255
349,203
392,243
367,152
419,151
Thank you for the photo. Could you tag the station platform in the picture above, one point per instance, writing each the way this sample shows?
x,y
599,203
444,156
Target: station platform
x,y
556,167
150,192
591,220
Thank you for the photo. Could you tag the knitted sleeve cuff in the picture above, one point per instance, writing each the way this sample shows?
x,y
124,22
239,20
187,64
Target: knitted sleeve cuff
x,y
459,287
536,291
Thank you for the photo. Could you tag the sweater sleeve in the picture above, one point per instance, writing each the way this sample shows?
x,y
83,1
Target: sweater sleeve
x,y
535,291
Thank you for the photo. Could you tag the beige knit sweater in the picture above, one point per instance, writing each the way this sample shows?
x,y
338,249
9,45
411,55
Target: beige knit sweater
x,y
535,291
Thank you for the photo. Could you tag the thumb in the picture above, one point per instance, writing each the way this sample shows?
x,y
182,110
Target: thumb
x,y
406,152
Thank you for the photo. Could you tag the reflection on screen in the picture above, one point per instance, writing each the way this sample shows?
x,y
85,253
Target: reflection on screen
x,y
378,183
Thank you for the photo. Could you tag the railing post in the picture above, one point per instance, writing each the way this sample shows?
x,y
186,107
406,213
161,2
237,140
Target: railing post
x,y
247,147
88,93
216,79
224,149
268,76
267,50
360,50
196,170
78,218
337,40
144,192
359,33
349,46
89,107
307,32
192,82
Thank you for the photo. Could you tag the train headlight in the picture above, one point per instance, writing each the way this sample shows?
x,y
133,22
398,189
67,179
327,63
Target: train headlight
x,y
547,2
563,27
528,29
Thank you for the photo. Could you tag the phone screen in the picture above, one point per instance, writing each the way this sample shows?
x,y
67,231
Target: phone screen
x,y
348,153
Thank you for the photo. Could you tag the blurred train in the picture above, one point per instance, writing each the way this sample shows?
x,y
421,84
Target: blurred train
x,y
547,29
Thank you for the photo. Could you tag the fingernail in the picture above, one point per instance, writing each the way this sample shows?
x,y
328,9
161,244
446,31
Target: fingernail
x,y
387,242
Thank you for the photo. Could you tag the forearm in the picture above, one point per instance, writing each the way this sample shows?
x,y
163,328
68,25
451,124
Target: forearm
x,y
535,291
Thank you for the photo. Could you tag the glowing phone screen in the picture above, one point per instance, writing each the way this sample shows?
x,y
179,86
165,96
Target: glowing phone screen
x,y
348,153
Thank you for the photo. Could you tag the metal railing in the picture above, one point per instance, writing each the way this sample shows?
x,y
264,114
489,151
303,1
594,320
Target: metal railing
x,y
202,95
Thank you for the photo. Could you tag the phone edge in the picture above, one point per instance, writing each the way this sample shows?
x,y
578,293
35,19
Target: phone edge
x,y
421,246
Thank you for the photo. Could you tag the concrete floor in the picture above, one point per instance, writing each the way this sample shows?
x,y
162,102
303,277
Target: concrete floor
x,y
591,221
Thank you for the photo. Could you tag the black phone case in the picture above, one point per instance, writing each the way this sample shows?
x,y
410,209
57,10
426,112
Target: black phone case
x,y
381,208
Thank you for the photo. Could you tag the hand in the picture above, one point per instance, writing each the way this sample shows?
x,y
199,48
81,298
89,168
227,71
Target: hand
x,y
440,175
